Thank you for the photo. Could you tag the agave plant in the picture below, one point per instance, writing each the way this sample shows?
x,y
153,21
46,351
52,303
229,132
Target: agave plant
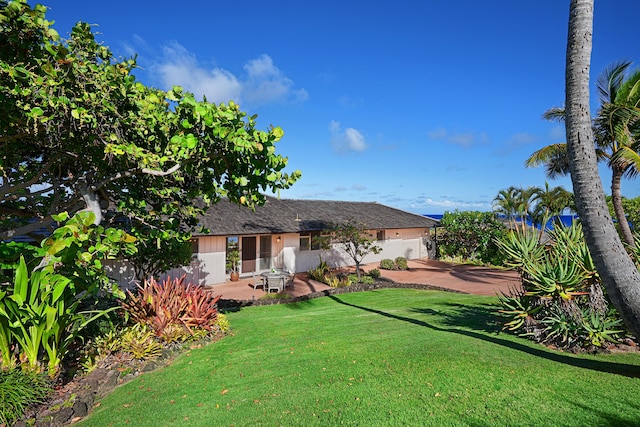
x,y
521,246
520,308
600,329
570,241
555,277
560,327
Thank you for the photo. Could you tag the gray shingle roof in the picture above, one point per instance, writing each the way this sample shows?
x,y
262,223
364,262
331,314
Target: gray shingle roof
x,y
294,216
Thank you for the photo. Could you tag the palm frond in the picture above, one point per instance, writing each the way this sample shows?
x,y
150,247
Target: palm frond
x,y
609,81
554,114
554,157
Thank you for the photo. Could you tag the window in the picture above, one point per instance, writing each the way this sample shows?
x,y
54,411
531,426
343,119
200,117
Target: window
x,y
232,252
310,240
380,235
305,241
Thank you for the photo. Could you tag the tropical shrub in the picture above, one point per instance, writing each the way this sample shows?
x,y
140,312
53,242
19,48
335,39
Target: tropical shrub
x,y
39,314
561,301
387,264
472,236
172,309
138,341
367,280
375,273
223,323
401,263
18,390
319,272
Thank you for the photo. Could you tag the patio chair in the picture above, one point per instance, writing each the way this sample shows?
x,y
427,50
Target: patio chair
x,y
258,281
289,280
274,284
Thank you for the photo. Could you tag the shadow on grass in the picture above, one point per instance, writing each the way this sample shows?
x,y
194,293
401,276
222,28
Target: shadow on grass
x,y
480,318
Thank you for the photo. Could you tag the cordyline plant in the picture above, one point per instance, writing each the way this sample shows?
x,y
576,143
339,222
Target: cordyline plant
x,y
172,304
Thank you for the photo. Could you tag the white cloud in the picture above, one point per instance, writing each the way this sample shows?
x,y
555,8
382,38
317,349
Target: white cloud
x,y
262,83
466,139
520,139
266,83
462,139
451,205
180,68
349,139
439,133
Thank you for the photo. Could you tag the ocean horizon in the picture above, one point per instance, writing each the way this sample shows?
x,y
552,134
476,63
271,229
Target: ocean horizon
x,y
566,219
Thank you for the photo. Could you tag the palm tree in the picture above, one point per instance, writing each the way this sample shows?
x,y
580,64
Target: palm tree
x,y
506,203
615,133
515,204
619,274
550,202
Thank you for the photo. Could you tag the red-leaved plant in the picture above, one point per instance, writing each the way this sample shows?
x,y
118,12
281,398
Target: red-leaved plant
x,y
171,303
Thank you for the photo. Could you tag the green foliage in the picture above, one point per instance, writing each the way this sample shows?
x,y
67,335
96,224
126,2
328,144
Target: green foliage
x,y
39,314
319,272
375,273
631,209
139,341
520,308
156,255
365,280
233,258
401,263
561,301
387,264
223,322
172,309
471,235
521,246
601,329
322,273
76,125
18,390
353,238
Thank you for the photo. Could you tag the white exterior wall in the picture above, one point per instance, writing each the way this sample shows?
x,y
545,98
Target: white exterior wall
x,y
407,243
208,265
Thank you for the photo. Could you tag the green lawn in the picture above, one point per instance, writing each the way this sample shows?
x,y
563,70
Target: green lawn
x,y
382,358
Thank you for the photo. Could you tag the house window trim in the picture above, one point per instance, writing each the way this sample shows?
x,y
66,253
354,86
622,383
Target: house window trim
x,y
310,236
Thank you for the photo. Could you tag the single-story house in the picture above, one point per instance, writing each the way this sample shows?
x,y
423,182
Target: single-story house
x,y
281,234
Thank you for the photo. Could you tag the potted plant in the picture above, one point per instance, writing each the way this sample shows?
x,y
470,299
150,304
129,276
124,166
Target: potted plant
x,y
233,258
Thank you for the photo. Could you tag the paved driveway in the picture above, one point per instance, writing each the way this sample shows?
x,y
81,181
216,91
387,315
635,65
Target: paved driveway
x,y
469,279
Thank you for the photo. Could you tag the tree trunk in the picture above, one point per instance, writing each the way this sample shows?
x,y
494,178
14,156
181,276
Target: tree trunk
x,y
619,274
616,200
92,201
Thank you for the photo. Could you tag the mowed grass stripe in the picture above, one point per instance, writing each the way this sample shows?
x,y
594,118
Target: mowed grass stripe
x,y
386,357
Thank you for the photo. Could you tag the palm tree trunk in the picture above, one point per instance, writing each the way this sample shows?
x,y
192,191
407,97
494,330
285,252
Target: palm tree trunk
x,y
619,274
616,200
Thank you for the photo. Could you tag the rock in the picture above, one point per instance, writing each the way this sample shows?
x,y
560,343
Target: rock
x,y
80,409
61,417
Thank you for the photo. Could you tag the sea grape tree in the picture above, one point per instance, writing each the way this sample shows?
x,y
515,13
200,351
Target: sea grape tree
x,y
79,132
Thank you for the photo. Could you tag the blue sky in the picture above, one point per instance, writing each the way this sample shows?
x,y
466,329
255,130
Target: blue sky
x,y
426,106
